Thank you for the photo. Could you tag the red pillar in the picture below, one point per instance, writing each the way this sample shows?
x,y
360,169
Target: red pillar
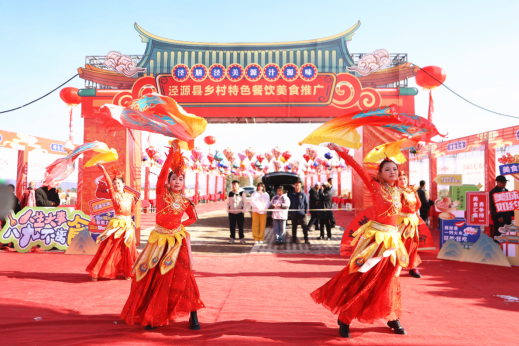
x,y
207,186
79,191
196,189
433,192
490,166
339,181
21,172
147,187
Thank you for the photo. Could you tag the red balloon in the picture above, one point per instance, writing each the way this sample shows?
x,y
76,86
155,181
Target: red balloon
x,y
423,77
70,96
209,140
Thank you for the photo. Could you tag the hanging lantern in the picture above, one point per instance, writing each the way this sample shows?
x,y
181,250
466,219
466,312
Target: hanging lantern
x,y
209,140
70,96
430,77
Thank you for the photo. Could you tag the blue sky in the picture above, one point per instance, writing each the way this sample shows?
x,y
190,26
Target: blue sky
x,y
475,42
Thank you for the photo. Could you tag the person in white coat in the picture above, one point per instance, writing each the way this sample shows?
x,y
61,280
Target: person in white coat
x,y
260,202
280,204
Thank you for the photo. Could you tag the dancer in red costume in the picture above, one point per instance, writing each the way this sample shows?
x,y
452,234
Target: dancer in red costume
x,y
368,289
117,252
408,222
164,287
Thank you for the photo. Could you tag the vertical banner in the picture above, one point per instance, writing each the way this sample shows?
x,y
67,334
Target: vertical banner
x,y
477,209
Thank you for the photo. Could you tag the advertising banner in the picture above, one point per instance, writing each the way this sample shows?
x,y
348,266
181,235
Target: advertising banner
x,y
506,201
449,179
458,230
477,209
45,227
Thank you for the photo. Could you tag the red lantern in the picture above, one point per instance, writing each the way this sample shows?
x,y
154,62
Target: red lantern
x,y
430,77
70,96
209,140
287,155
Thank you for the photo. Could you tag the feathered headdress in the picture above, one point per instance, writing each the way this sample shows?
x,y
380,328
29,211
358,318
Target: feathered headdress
x,y
115,173
387,159
178,163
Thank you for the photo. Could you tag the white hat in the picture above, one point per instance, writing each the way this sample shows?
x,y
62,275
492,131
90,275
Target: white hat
x,y
317,183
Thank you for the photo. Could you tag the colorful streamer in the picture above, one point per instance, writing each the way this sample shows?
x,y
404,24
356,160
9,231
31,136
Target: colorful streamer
x,y
157,114
62,168
343,130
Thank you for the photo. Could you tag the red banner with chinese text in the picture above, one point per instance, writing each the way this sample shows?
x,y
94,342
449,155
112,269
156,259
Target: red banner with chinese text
x,y
477,209
244,92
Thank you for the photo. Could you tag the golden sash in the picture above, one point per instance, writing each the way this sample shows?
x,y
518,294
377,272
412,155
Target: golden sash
x,y
161,240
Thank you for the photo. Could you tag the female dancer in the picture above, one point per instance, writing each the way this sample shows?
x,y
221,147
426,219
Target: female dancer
x,y
117,252
358,292
408,222
164,287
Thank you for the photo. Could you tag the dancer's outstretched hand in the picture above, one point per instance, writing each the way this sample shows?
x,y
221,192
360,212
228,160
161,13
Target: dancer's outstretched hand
x,y
337,148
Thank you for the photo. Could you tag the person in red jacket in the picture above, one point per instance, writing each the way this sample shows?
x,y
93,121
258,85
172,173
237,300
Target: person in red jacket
x,y
408,222
117,251
368,289
164,287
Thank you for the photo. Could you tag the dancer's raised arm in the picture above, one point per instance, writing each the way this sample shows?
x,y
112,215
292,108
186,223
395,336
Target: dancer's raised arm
x,y
108,181
163,176
343,153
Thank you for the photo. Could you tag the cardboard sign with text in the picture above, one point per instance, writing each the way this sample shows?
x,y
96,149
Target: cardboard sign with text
x,y
477,209
506,201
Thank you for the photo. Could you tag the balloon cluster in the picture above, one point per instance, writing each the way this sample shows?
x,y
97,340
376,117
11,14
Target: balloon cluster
x,y
151,158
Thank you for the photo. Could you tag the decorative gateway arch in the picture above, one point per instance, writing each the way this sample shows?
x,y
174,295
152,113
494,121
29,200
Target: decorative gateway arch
x,y
287,82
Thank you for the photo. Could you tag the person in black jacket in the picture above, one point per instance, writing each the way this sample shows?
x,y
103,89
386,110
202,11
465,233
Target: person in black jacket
x,y
46,197
426,203
298,202
332,219
502,218
314,204
325,202
16,202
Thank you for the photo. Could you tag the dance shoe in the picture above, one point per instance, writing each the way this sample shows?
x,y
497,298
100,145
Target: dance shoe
x,y
344,329
415,273
193,321
397,327
231,241
149,327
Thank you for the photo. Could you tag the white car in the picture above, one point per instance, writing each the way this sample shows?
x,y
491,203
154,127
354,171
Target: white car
x,y
248,190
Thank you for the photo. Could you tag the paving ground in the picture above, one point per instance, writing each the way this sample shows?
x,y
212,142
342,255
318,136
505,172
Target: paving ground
x,y
210,235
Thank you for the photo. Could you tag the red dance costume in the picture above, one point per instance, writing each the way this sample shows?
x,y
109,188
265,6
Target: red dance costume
x,y
117,252
164,287
370,294
408,222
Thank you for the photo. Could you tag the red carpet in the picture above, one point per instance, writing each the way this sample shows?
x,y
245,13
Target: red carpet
x,y
253,299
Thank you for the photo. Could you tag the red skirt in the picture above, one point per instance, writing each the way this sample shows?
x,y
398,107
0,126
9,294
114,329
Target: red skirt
x,y
157,298
366,297
411,245
112,258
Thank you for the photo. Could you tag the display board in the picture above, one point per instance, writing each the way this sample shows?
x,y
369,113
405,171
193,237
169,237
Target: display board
x,y
45,227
